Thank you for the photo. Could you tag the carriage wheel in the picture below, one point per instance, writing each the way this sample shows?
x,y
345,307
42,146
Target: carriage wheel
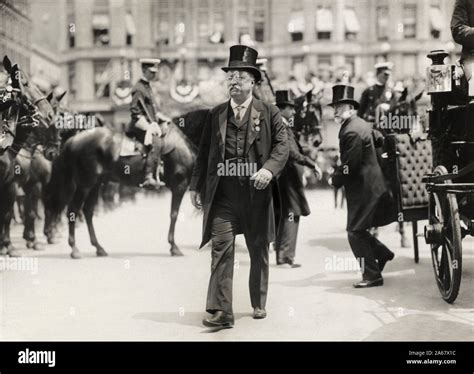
x,y
446,241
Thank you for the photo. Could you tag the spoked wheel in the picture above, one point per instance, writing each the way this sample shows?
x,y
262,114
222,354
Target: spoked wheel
x,y
444,236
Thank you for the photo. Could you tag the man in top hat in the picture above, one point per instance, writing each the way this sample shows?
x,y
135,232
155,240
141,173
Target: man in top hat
x,y
293,202
247,133
362,178
379,93
147,120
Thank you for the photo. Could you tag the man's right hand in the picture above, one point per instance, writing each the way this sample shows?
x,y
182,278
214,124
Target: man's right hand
x,y
196,199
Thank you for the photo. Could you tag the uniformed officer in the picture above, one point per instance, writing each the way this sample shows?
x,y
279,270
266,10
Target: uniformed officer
x,y
379,93
147,121
293,203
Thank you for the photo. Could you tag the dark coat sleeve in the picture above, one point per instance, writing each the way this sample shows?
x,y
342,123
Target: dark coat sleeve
x,y
198,177
363,103
280,150
351,156
461,28
295,154
135,108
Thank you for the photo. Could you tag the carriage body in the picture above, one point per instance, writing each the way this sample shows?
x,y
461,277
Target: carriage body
x,y
451,184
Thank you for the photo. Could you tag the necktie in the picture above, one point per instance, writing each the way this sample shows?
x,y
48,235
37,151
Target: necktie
x,y
238,113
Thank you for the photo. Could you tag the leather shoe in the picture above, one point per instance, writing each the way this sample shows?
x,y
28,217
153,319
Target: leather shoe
x,y
259,313
219,319
369,283
384,260
289,262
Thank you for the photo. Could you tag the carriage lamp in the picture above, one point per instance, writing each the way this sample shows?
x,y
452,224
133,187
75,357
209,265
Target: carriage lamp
x,y
439,75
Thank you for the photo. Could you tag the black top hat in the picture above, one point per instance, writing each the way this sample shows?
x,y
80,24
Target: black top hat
x,y
343,94
243,58
283,98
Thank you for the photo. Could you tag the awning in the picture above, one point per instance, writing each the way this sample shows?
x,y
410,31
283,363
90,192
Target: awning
x,y
296,23
351,21
324,22
130,24
100,21
436,18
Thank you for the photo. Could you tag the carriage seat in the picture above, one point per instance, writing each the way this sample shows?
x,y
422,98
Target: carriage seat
x,y
413,159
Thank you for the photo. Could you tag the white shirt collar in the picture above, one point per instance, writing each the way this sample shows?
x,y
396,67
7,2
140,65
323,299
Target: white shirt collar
x,y
244,105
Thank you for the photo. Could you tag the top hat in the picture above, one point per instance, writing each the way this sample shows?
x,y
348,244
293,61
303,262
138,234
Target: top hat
x,y
342,93
150,63
243,57
284,98
383,66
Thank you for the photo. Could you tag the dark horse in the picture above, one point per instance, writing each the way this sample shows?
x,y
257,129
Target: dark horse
x,y
92,157
28,121
35,167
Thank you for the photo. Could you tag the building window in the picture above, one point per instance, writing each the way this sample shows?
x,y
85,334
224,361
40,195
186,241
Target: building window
x,y
324,60
409,21
436,22
382,23
259,25
218,33
324,23
102,78
100,29
180,29
296,26
351,24
130,28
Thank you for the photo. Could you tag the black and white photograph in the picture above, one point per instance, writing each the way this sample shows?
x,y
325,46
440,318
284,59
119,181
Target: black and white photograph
x,y
237,171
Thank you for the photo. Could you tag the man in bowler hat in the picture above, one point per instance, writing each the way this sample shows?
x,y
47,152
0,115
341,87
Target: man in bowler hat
x,y
293,202
362,178
241,131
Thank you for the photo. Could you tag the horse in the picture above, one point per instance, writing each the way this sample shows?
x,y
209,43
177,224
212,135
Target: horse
x,y
92,157
401,105
29,117
35,173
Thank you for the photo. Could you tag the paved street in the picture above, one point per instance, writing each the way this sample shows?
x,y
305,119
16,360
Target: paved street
x,y
139,292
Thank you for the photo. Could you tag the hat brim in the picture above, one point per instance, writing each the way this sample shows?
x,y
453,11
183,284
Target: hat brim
x,y
250,69
345,101
285,103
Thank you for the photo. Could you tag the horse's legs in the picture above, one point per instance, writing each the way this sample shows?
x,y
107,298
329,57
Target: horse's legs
x,y
6,214
88,209
403,238
335,197
32,193
72,215
176,198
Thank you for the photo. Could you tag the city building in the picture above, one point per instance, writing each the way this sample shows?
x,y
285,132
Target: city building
x,y
92,47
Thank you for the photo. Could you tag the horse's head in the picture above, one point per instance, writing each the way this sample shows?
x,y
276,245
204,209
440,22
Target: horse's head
x,y
34,102
51,137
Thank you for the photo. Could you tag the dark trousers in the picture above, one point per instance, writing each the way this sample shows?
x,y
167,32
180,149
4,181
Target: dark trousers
x,y
368,250
231,216
285,244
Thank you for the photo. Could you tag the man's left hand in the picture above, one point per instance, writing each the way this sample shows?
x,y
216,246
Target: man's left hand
x,y
262,178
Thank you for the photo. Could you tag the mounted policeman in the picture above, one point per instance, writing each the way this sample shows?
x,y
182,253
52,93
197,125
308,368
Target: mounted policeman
x,y
378,93
148,121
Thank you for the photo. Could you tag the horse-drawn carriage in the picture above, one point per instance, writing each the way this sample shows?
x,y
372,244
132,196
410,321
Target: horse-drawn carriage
x,y
432,177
